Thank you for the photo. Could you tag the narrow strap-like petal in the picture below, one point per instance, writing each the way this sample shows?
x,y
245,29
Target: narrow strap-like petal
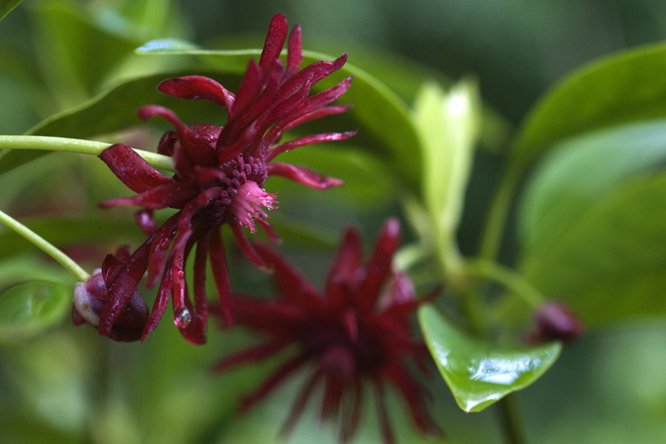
x,y
277,35
382,413
294,51
310,75
302,175
379,267
292,285
308,140
186,135
347,262
414,395
122,288
316,102
247,248
198,88
218,262
173,194
200,261
160,304
273,381
298,407
352,417
256,353
132,169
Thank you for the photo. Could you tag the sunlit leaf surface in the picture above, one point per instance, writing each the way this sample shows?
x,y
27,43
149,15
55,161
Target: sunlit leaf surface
x,y
480,374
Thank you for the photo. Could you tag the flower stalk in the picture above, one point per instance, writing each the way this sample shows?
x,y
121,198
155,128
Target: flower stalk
x,y
45,143
45,246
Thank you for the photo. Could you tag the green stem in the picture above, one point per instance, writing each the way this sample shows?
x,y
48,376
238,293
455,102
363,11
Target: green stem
x,y
510,418
76,146
45,246
499,210
507,277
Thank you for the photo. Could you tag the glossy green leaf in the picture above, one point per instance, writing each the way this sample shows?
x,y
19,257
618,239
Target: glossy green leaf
x,y
620,88
609,264
78,53
478,373
582,170
376,107
447,125
6,7
27,309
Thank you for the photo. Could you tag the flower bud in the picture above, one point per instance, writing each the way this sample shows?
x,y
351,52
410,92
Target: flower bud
x,y
554,321
90,298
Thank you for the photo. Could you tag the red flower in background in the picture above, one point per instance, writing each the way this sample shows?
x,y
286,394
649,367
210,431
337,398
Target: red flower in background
x,y
220,173
357,331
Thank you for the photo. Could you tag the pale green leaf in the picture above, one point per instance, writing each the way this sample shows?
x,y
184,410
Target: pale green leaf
x,y
447,125
478,373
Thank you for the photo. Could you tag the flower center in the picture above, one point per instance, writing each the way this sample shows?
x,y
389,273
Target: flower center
x,y
246,205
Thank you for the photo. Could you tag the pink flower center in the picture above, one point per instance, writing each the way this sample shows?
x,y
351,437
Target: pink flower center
x,y
246,205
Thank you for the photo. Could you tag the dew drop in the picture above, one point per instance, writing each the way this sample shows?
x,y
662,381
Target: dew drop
x,y
183,318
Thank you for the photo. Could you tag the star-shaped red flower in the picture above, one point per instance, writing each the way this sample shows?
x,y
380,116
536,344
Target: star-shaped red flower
x,y
356,331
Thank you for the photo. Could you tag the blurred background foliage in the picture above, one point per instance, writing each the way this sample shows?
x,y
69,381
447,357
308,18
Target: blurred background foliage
x,y
71,386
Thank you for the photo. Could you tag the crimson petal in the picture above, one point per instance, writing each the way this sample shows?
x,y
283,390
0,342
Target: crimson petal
x,y
198,88
302,175
132,169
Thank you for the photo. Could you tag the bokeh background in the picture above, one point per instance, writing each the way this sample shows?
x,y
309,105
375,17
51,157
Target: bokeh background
x,y
71,386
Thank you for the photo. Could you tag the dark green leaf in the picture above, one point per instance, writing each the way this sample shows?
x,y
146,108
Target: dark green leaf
x,y
609,263
27,309
478,373
621,88
111,111
581,171
6,6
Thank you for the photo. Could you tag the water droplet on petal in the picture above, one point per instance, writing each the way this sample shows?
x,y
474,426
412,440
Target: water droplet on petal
x,y
182,318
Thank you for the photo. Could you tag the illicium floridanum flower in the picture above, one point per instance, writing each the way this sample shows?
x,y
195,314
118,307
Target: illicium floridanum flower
x,y
220,174
356,332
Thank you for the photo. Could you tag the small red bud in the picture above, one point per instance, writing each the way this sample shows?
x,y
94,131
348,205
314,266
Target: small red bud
x,y
554,321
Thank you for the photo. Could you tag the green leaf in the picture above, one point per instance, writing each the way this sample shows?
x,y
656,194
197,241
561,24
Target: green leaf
x,y
609,264
111,111
621,88
581,171
478,373
31,307
6,7
78,53
376,107
447,125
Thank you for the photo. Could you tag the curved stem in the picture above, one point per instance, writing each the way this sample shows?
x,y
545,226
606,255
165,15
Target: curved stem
x,y
76,146
499,210
507,277
45,246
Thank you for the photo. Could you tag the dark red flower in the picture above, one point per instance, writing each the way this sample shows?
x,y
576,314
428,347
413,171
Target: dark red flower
x,y
220,174
554,321
357,331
